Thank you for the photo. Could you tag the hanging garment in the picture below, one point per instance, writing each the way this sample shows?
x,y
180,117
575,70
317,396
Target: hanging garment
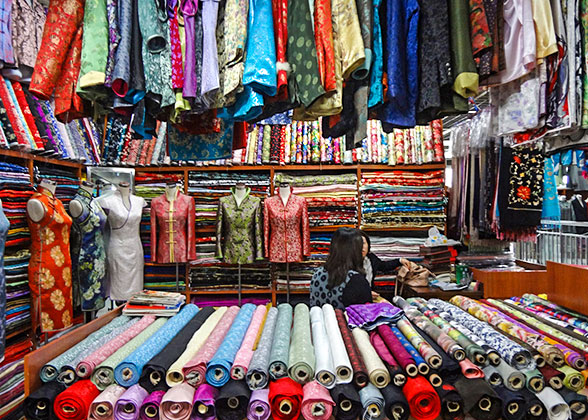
x,y
6,50
212,145
239,229
172,229
286,229
480,34
4,226
89,257
50,265
125,251
28,20
376,95
209,85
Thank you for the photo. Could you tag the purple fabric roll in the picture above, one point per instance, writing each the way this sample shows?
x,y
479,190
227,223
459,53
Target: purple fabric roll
x,y
259,406
204,403
128,405
370,315
150,407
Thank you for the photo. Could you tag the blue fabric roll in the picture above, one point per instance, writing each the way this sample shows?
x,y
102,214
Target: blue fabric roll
x,y
128,372
218,370
418,359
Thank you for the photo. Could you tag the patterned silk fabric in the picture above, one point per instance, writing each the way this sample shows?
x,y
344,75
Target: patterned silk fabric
x,y
258,370
239,229
360,376
286,229
172,229
50,265
278,362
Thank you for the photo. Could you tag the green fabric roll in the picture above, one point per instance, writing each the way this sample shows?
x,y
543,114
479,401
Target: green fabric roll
x,y
278,366
513,379
103,375
573,380
266,146
301,360
535,381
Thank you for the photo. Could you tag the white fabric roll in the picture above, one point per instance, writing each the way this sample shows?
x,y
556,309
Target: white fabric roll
x,y
557,408
324,370
341,362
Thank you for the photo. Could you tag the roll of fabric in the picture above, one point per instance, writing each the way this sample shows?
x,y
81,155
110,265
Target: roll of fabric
x,y
422,399
103,406
347,402
360,375
435,379
572,357
232,401
420,363
492,375
103,375
301,360
128,372
39,405
195,370
469,370
556,406
396,373
573,379
513,353
395,404
432,357
258,370
513,379
480,400
113,341
368,316
450,368
578,403
128,405
324,368
285,397
175,375
203,407
378,374
317,403
534,380
150,407
51,370
153,377
397,350
279,356
513,403
177,402
372,402
535,410
74,403
245,353
553,377
218,369
451,403
259,407
341,362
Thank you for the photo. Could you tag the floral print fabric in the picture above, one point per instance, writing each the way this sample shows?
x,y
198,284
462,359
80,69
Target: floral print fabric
x,y
50,266
526,180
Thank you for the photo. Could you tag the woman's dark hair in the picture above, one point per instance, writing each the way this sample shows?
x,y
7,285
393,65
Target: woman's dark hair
x,y
344,255
367,239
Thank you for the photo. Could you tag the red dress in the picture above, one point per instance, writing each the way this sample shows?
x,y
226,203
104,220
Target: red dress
x,y
286,229
50,266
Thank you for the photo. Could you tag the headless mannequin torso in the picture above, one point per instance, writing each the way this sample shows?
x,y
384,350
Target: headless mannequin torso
x,y
35,208
75,207
171,191
125,193
240,193
284,193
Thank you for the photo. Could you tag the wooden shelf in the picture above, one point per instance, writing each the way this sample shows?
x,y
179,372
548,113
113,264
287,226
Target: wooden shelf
x,y
39,158
292,292
18,332
293,167
232,291
397,229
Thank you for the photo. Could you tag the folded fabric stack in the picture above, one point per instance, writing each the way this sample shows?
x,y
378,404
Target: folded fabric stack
x,y
18,308
12,378
67,182
207,188
297,275
205,248
226,276
438,258
319,246
402,199
332,199
166,278
495,260
15,191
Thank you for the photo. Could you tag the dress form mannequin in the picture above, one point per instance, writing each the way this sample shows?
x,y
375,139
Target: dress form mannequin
x,y
75,207
284,193
36,209
240,193
171,191
125,192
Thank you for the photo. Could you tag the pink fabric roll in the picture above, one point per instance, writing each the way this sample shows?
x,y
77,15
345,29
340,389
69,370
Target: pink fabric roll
x,y
87,366
102,407
470,370
176,404
195,369
317,403
245,353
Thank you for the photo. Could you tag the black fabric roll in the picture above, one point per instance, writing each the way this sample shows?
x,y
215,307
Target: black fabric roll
x,y
395,404
39,405
578,403
348,404
492,355
451,402
449,370
232,401
480,400
535,409
514,406
153,376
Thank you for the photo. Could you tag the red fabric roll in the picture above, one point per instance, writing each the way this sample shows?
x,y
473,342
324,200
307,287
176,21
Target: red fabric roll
x,y
74,403
470,370
424,402
285,397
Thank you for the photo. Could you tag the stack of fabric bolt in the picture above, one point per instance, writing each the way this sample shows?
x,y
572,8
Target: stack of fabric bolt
x,y
225,276
12,378
402,199
67,182
296,275
332,199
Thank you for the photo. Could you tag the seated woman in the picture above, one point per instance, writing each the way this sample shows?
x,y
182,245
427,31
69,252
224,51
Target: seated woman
x,y
371,263
341,281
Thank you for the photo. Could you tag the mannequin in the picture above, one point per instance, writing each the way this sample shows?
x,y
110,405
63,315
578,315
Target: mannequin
x,y
171,191
75,207
284,193
240,193
125,192
36,209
